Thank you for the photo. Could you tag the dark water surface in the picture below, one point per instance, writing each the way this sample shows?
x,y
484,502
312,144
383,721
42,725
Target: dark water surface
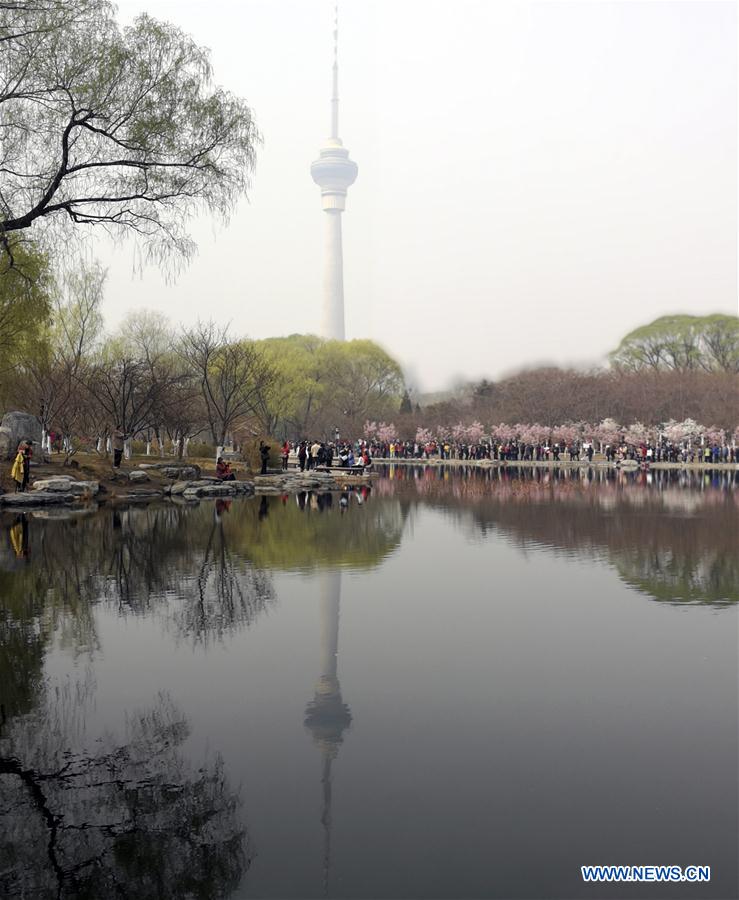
x,y
467,683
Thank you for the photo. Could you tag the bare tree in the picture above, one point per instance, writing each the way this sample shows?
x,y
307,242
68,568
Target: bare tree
x,y
233,376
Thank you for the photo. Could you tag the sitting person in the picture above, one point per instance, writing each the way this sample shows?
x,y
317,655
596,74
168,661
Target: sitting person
x,y
223,470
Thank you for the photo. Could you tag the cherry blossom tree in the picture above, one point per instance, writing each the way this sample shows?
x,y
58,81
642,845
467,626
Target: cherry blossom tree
x,y
503,432
716,436
608,432
565,434
637,434
475,431
387,432
370,430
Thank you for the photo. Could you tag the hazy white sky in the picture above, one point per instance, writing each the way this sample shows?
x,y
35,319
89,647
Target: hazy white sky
x,y
535,179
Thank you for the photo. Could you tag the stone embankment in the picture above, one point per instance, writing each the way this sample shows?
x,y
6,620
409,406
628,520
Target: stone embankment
x,y
209,487
178,483
56,491
313,480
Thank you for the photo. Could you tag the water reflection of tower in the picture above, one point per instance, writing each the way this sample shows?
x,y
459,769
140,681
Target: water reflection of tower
x,y
327,716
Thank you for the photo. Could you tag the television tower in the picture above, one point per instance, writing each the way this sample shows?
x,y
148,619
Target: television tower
x,y
333,172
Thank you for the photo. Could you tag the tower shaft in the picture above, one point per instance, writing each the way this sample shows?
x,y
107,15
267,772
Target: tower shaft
x,y
333,277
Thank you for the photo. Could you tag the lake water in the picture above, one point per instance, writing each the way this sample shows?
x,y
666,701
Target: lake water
x,y
462,683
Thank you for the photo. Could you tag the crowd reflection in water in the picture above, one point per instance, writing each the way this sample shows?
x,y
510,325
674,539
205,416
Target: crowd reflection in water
x,y
669,534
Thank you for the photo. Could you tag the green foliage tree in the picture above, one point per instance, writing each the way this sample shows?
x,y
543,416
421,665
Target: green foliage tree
x,y
322,385
26,296
365,382
297,394
682,343
112,126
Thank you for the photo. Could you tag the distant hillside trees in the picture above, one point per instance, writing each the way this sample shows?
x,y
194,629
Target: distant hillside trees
x,y
681,344
675,368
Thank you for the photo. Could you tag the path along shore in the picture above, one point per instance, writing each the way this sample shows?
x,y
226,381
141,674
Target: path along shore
x,y
597,463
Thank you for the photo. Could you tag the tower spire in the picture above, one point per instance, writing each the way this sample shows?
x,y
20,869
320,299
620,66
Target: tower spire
x,y
333,172
335,93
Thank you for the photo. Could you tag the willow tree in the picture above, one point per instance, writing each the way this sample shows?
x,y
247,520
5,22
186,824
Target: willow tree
x,y
323,385
114,127
26,295
682,343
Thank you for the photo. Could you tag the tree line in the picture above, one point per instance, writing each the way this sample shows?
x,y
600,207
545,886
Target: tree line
x,y
159,381
676,368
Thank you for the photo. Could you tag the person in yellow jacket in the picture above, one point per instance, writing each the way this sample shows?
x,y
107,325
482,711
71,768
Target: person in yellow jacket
x,y
17,472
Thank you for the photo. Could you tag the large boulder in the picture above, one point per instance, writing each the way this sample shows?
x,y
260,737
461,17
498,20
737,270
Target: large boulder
x,y
63,484
181,473
178,472
16,427
37,498
195,489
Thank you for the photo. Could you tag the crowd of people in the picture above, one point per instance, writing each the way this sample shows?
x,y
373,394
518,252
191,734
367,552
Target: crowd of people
x,y
312,454
309,455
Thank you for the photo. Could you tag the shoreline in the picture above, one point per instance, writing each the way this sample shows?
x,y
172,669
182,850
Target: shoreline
x,y
625,465
156,483
99,490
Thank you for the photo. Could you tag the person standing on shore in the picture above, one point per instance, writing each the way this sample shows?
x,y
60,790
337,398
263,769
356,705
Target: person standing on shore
x,y
119,438
285,455
27,454
17,472
302,454
264,456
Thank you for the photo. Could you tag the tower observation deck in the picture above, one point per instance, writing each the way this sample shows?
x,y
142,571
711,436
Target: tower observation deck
x,y
333,172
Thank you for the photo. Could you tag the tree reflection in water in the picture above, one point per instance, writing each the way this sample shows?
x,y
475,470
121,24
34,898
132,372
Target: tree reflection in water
x,y
131,818
669,534
169,560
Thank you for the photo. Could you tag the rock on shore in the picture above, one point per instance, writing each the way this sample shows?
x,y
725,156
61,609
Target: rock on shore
x,y
295,482
65,484
16,427
210,487
184,472
38,498
59,490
